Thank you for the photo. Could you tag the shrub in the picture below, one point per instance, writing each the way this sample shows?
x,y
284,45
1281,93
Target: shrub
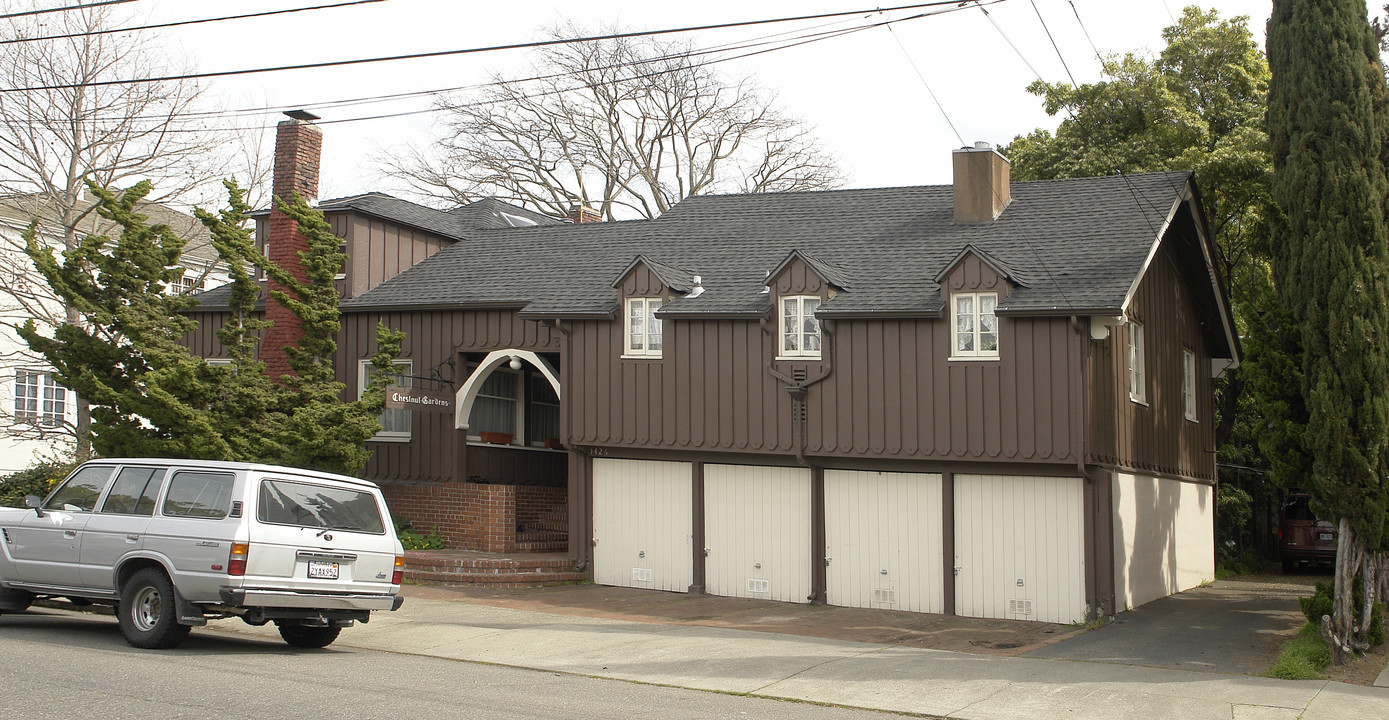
x,y
1319,604
411,540
36,480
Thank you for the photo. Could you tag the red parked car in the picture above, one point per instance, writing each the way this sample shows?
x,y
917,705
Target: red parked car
x,y
1302,538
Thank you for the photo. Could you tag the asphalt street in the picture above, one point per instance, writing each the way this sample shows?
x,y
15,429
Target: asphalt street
x,y
61,665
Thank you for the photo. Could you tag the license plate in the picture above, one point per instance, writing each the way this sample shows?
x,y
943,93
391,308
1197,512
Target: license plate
x,y
323,570
1324,537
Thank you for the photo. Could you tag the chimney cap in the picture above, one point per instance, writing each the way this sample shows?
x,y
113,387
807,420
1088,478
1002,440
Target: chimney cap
x,y
304,115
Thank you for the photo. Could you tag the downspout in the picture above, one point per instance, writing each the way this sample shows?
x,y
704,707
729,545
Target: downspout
x,y
579,511
796,389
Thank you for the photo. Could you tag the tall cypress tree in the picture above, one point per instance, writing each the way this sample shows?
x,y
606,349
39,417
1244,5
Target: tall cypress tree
x,y
1327,132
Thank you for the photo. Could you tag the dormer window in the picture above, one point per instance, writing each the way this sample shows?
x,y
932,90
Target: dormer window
x,y
800,330
643,330
975,325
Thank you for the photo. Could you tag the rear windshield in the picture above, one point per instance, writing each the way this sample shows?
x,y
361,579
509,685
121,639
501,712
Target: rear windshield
x,y
285,502
1298,508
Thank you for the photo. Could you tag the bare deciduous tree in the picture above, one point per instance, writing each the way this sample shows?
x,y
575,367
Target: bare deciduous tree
x,y
60,129
628,126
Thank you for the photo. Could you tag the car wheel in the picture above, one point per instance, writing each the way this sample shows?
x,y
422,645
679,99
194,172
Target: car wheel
x,y
15,601
147,615
301,636
1289,567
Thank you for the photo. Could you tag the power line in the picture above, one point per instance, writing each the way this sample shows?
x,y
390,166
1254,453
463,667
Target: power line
x,y
1086,31
926,85
492,48
45,11
180,23
788,42
1054,46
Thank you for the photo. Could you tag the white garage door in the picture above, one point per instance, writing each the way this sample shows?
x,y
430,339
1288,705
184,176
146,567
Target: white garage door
x,y
757,531
1019,548
642,524
883,532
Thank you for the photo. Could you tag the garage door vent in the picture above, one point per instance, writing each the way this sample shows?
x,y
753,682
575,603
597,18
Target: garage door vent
x,y
640,575
1019,607
759,586
884,596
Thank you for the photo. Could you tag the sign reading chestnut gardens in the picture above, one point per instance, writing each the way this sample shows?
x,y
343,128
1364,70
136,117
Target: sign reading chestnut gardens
x,y
402,398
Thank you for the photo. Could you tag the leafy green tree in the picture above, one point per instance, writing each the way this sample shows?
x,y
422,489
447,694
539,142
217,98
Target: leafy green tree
x,y
1199,105
1327,124
150,396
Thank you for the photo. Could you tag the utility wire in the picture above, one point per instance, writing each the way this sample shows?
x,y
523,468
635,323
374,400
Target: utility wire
x,y
1054,46
1086,31
926,85
715,52
45,11
180,23
492,48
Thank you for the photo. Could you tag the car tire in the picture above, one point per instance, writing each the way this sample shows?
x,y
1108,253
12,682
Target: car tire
x,y
15,601
147,613
1289,567
303,636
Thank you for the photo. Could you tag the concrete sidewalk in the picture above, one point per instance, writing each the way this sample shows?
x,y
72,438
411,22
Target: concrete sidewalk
x,y
839,672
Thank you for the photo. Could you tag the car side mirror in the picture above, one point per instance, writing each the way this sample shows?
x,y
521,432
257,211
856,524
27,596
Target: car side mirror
x,y
35,502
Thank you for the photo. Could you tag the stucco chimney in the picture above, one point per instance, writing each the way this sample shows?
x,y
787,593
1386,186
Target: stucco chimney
x,y
584,214
298,147
981,183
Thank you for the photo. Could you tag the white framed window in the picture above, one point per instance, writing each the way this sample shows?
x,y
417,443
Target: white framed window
x,y
1189,384
643,328
1138,391
38,399
975,326
395,424
800,330
188,284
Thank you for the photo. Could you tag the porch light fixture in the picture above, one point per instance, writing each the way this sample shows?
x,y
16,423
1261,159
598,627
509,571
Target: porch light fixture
x,y
515,363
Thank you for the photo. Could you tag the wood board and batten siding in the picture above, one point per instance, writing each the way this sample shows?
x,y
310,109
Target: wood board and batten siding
x,y
883,532
1019,548
711,391
433,340
1156,436
642,524
378,250
757,531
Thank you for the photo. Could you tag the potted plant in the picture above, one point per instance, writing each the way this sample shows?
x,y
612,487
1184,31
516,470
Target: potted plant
x,y
496,438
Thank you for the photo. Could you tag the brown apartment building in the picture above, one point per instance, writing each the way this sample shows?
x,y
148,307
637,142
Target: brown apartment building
x,y
987,398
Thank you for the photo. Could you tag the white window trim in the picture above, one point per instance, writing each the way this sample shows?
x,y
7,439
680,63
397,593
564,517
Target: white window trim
x,y
650,305
364,367
976,353
43,380
799,354
1138,364
1189,384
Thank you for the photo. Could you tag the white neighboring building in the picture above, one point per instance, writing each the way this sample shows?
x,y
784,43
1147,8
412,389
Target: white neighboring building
x,y
36,414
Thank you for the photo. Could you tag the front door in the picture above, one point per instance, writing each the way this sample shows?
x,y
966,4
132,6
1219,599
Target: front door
x,y
47,542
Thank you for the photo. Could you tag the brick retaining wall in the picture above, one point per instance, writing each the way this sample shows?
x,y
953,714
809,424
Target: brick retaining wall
x,y
472,516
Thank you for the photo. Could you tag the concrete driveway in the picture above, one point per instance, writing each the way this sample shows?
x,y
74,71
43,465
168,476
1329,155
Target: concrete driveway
x,y
1232,626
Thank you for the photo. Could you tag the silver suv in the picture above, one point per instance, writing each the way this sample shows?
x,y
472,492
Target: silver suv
x,y
171,543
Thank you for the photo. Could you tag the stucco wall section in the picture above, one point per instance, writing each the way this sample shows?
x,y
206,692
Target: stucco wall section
x,y
1164,538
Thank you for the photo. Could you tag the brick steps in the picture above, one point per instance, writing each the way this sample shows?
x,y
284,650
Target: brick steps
x,y
445,568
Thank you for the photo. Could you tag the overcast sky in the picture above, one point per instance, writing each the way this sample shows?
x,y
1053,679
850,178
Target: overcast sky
x,y
861,92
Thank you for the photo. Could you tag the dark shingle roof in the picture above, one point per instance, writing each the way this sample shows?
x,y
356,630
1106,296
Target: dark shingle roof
x,y
1083,242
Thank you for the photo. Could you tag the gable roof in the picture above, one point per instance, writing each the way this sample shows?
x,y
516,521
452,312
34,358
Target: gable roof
x,y
674,278
827,271
998,266
1084,241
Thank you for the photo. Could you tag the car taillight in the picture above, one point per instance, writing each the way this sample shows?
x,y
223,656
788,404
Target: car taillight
x,y
236,564
399,574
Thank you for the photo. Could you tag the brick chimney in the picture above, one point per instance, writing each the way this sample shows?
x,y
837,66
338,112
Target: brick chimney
x,y
981,183
584,214
298,146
